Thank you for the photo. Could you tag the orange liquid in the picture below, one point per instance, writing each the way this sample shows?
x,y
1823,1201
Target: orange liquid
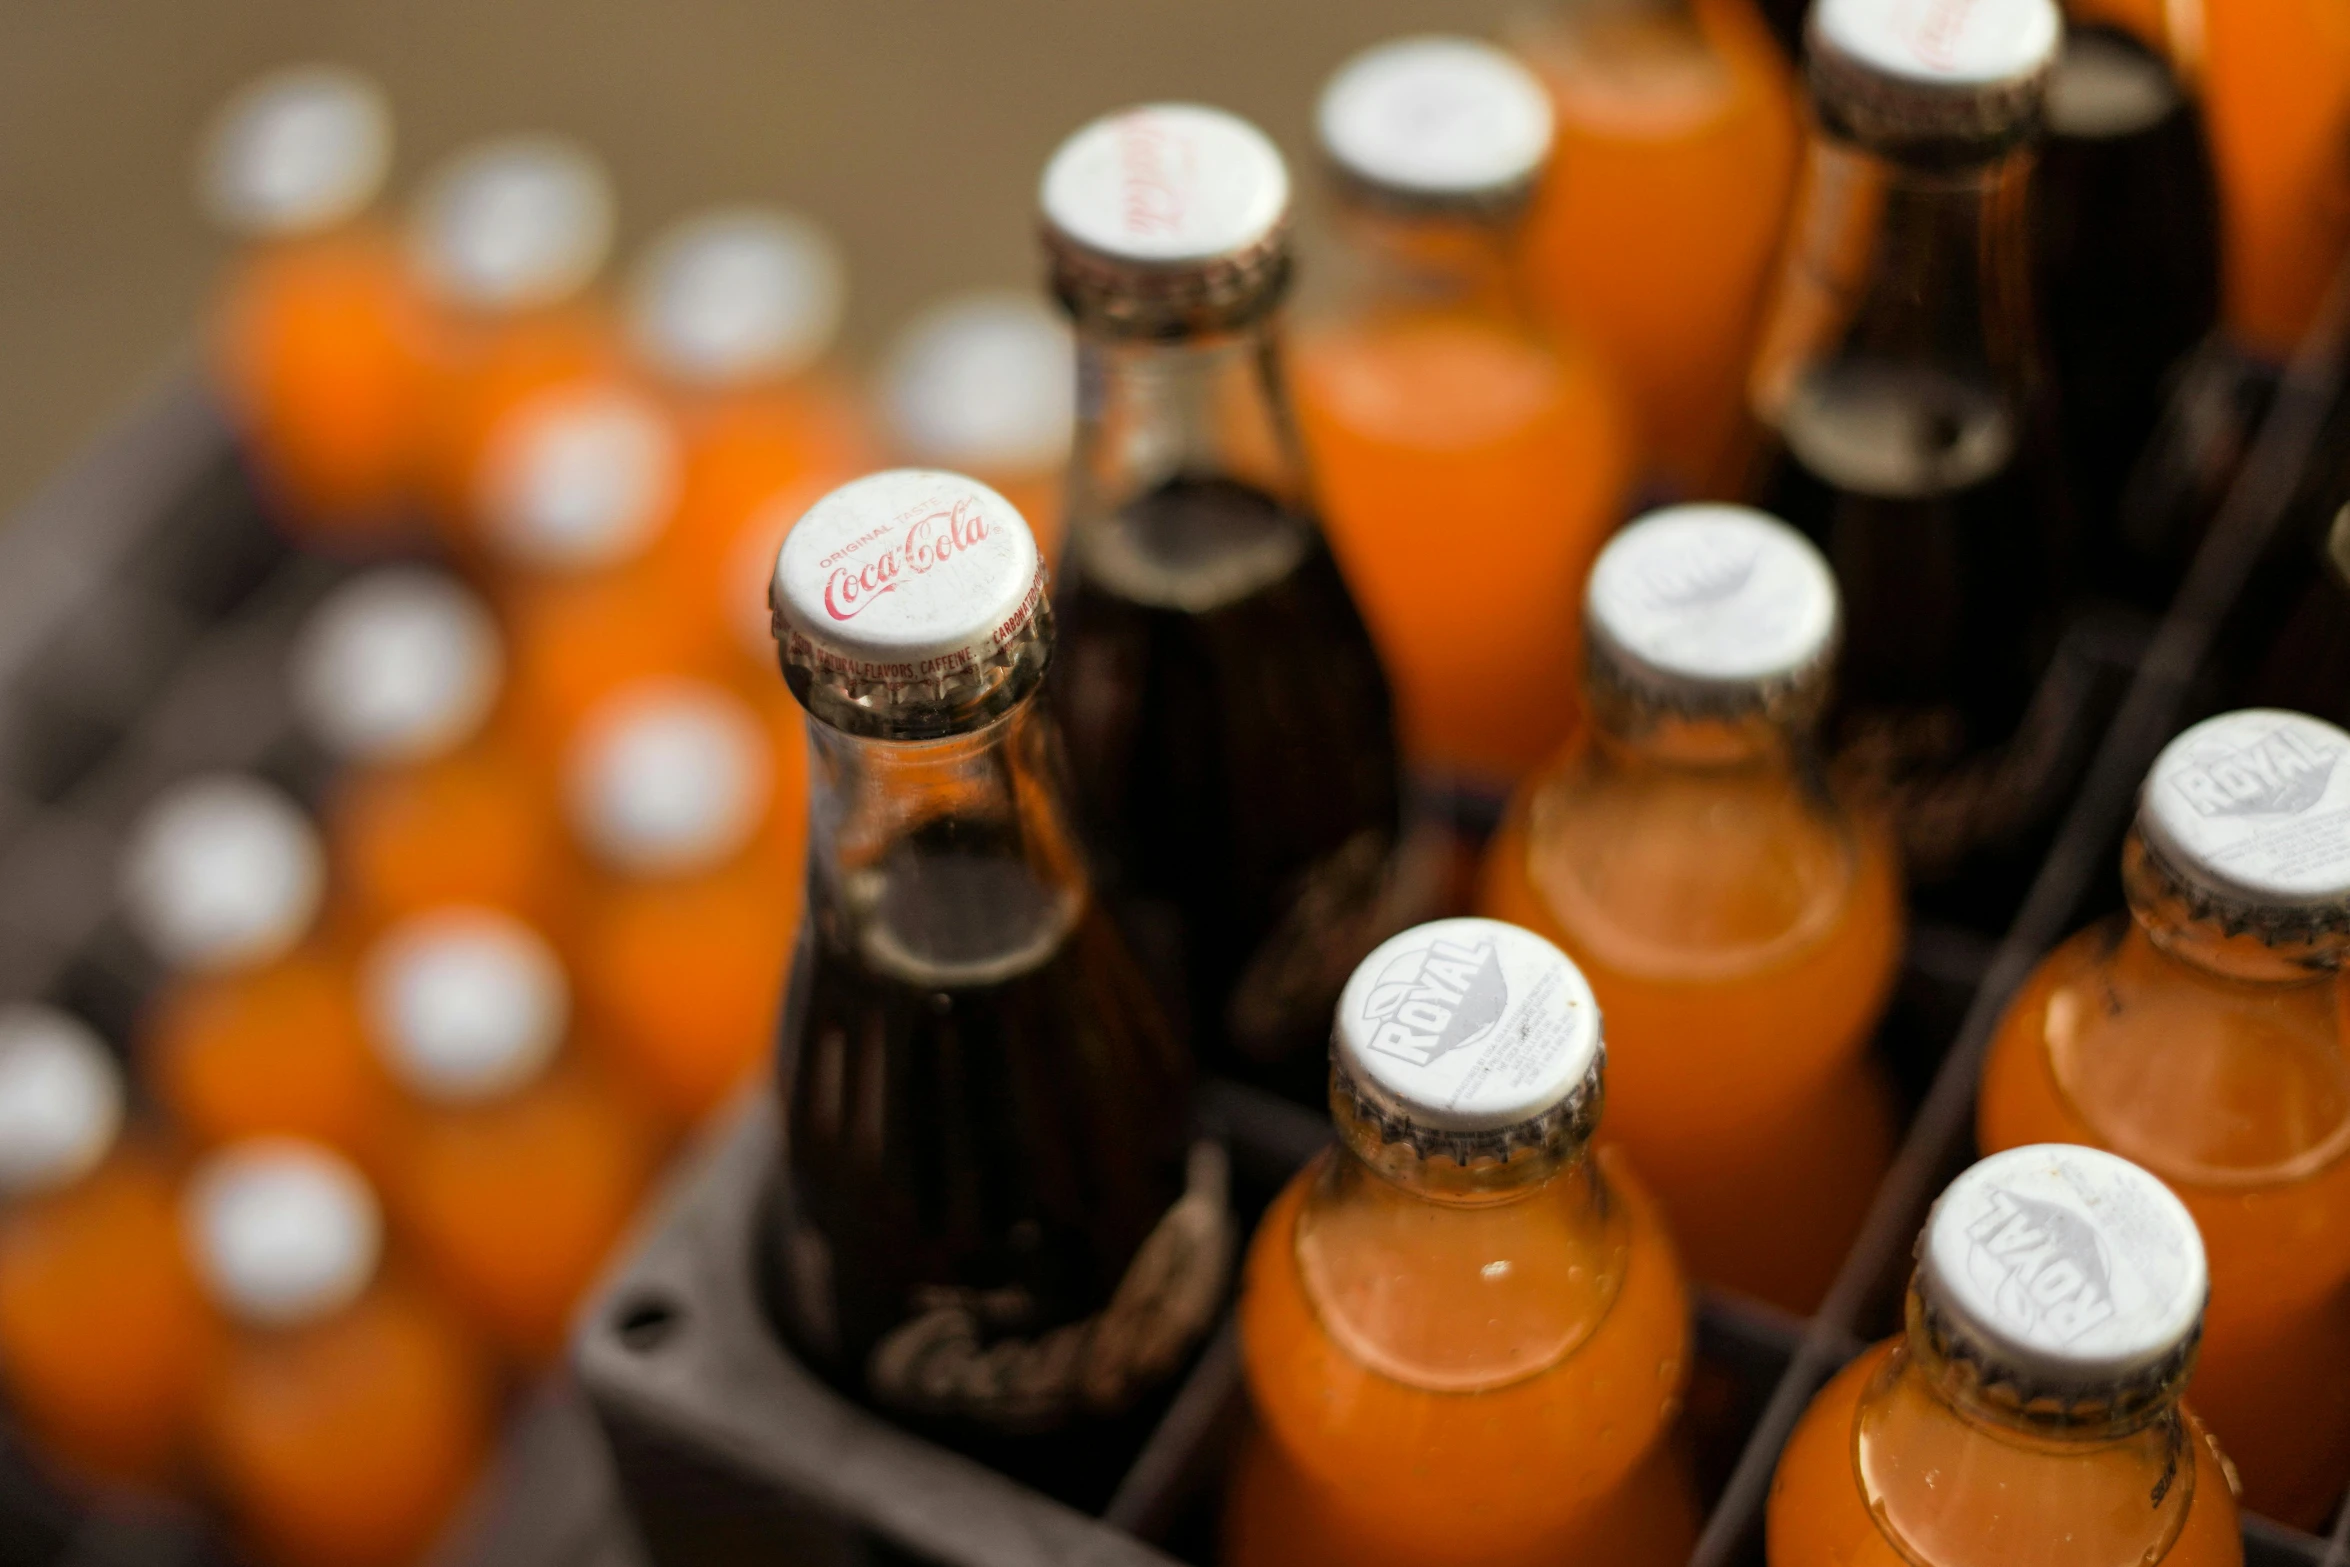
x,y
349,1443
1819,1516
1568,1460
1741,949
577,640
1468,478
472,827
2238,1096
481,373
104,1339
1654,232
319,347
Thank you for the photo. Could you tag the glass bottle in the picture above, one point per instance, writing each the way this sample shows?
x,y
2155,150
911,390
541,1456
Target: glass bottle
x,y
1229,724
2202,1035
1739,923
1465,1335
987,1222
1449,438
1900,389
2030,1409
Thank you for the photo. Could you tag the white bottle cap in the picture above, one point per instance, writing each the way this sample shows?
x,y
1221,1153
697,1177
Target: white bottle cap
x,y
60,1099
739,294
221,870
1962,44
1167,185
1711,605
2106,84
296,151
669,777
2253,807
515,223
2067,1268
985,381
581,477
283,1231
466,1004
398,664
1468,1026
1444,118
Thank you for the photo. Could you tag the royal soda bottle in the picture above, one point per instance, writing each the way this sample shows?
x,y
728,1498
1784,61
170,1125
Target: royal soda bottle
x,y
990,1221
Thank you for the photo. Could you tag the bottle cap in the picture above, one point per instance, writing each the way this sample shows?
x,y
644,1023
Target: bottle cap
x,y
2106,84
739,294
910,604
466,1004
1167,215
283,1231
2251,811
1896,73
1711,608
514,224
297,151
1437,120
986,381
2064,1270
60,1099
399,664
580,477
221,870
669,777
1470,1037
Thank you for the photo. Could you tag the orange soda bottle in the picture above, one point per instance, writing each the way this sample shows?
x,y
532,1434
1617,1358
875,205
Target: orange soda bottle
x,y
349,1415
256,1030
984,383
515,1165
694,810
2202,1036
1446,436
1670,174
2030,1411
103,1338
1740,926
318,339
1465,1335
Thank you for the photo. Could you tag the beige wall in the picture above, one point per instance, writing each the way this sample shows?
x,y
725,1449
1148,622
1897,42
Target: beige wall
x,y
915,127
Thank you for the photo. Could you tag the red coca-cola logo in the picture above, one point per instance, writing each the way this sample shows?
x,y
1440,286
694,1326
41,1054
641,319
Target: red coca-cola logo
x,y
1940,28
1151,190
929,542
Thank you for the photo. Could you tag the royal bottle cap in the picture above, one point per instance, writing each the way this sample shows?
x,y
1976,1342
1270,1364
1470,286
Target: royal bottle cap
x,y
514,224
1468,1028
1711,608
465,1004
985,381
297,151
2252,808
221,870
283,1231
578,478
1933,71
669,777
738,294
1436,119
910,603
60,1099
2064,1269
399,664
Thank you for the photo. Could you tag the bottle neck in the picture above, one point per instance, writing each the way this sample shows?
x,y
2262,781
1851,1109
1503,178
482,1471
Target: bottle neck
x,y
2285,948
1629,730
1403,261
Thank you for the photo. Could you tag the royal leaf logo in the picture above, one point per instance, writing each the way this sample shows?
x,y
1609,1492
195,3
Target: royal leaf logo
x,y
1428,1003
2043,1266
2283,773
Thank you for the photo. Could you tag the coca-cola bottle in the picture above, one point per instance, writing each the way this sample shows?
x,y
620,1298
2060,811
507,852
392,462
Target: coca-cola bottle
x,y
988,1221
1228,720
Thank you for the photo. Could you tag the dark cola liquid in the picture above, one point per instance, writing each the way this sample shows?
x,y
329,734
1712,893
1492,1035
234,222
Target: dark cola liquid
x,y
1234,752
986,1116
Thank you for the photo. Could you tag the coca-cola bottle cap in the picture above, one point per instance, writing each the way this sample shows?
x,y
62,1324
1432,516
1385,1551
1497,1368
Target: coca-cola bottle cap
x,y
282,1231
1895,73
2066,1272
60,1099
1711,609
986,381
399,664
1437,120
220,871
2250,812
297,151
911,604
668,777
1469,1037
513,224
577,478
465,1004
738,294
